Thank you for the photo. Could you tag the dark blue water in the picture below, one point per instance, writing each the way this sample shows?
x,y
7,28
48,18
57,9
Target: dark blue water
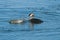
x,y
46,10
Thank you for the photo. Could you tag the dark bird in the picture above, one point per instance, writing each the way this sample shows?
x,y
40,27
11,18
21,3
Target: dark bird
x,y
33,21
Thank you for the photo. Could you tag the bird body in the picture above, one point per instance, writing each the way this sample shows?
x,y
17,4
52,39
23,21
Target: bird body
x,y
16,21
35,21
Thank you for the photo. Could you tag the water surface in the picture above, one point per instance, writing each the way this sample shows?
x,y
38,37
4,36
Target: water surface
x,y
48,11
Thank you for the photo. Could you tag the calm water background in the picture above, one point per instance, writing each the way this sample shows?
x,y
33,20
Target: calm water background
x,y
46,10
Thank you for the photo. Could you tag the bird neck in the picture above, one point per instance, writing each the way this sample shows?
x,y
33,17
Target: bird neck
x,y
31,17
